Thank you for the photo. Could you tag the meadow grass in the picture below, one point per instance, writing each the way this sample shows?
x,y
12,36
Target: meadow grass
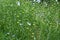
x,y
28,20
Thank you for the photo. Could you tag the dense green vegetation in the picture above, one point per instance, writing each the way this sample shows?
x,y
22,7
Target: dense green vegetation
x,y
27,20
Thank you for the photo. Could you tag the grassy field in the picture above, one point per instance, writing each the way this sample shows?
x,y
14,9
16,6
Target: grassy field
x,y
26,20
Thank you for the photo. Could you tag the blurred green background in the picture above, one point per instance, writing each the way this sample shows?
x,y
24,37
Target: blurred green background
x,y
29,20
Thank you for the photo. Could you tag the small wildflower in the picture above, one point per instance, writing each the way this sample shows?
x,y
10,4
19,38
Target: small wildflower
x,y
38,1
34,0
18,3
56,0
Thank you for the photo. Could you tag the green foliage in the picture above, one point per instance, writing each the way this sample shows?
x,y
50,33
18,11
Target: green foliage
x,y
29,21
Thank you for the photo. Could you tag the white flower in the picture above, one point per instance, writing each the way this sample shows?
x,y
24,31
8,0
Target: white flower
x,y
38,1
18,3
34,0
56,0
